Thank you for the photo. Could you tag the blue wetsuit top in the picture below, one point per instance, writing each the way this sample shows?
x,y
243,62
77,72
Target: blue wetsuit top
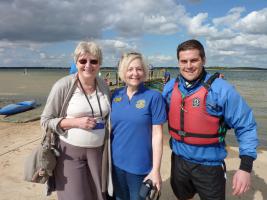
x,y
222,100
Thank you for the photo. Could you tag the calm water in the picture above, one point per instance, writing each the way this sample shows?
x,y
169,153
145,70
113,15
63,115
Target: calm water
x,y
15,85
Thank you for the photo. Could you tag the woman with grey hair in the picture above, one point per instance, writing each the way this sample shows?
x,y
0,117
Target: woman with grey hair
x,y
137,116
77,110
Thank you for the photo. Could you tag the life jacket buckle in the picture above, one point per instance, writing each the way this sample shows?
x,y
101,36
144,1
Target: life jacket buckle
x,y
182,133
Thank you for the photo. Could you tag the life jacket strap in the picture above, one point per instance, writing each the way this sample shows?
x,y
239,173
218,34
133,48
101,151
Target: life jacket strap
x,y
188,134
208,83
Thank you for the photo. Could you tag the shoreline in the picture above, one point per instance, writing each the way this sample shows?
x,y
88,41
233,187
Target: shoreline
x,y
156,67
18,139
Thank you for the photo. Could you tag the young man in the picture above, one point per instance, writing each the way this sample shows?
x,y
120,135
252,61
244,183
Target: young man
x,y
201,107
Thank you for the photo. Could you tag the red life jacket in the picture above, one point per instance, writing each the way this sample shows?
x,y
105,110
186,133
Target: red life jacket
x,y
189,120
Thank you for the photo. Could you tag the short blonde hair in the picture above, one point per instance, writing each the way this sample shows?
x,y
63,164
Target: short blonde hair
x,y
125,61
88,47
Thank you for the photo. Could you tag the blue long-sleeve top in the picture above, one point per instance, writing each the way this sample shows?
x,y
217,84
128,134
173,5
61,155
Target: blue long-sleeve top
x,y
222,100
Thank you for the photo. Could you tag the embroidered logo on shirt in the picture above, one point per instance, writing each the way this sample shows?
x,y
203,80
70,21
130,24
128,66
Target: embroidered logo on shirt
x,y
196,102
117,99
140,104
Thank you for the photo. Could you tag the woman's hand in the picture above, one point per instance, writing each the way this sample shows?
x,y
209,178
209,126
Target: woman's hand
x,y
79,122
157,148
86,122
155,177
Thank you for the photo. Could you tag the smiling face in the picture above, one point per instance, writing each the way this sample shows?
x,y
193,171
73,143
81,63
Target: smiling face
x,y
191,64
135,74
88,66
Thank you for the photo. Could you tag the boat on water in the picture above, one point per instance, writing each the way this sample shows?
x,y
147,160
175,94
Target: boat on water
x,y
15,108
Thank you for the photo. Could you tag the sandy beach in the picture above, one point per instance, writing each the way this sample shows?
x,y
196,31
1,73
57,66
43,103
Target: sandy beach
x,y
18,139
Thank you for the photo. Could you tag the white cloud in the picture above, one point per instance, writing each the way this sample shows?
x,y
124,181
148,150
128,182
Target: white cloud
x,y
241,43
138,17
120,44
116,45
254,23
30,29
243,50
232,38
7,61
43,56
113,49
160,60
197,28
232,16
56,20
49,20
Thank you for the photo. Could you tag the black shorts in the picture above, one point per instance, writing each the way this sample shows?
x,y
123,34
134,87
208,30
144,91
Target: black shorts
x,y
189,178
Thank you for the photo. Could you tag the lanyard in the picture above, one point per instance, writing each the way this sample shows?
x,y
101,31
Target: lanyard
x,y
98,101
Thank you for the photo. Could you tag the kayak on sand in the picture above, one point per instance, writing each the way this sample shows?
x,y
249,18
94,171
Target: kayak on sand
x,y
22,106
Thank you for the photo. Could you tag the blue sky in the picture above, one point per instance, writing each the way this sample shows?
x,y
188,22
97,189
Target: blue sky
x,y
44,33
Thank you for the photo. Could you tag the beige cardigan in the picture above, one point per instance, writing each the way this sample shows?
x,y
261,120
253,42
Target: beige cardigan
x,y
55,111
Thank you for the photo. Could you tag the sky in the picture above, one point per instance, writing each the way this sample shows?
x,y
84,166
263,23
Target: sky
x,y
44,33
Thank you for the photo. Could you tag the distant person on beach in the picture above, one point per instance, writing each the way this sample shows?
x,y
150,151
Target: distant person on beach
x,y
137,116
201,107
78,109
106,79
167,77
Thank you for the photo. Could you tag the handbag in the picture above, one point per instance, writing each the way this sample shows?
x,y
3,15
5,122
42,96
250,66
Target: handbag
x,y
41,162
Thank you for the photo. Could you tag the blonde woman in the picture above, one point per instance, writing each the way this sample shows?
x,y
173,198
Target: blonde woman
x,y
78,109
137,116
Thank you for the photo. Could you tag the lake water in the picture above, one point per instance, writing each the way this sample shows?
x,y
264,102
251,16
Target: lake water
x,y
17,85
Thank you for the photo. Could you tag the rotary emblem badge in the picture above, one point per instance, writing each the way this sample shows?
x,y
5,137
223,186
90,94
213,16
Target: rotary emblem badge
x,y
140,104
117,99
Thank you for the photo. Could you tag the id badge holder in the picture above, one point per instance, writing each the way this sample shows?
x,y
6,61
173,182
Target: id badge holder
x,y
100,123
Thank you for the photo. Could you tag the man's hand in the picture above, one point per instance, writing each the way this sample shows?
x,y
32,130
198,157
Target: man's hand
x,y
241,182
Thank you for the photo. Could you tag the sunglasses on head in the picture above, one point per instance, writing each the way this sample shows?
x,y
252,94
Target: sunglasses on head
x,y
132,53
84,61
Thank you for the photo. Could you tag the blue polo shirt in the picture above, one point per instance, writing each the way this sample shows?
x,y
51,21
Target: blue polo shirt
x,y
132,122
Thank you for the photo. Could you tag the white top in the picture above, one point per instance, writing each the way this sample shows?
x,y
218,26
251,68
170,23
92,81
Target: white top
x,y
79,107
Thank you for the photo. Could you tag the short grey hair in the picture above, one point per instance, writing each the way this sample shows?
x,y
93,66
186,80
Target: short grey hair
x,y
88,47
125,61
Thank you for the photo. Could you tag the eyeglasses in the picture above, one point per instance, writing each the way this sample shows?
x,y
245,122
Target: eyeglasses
x,y
84,61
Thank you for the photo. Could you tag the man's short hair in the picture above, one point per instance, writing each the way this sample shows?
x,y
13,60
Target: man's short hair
x,y
189,45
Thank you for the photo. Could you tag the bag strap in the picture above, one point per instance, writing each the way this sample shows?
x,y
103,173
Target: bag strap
x,y
47,138
50,139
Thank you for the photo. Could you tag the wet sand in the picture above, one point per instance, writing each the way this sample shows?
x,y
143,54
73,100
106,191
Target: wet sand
x,y
18,139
